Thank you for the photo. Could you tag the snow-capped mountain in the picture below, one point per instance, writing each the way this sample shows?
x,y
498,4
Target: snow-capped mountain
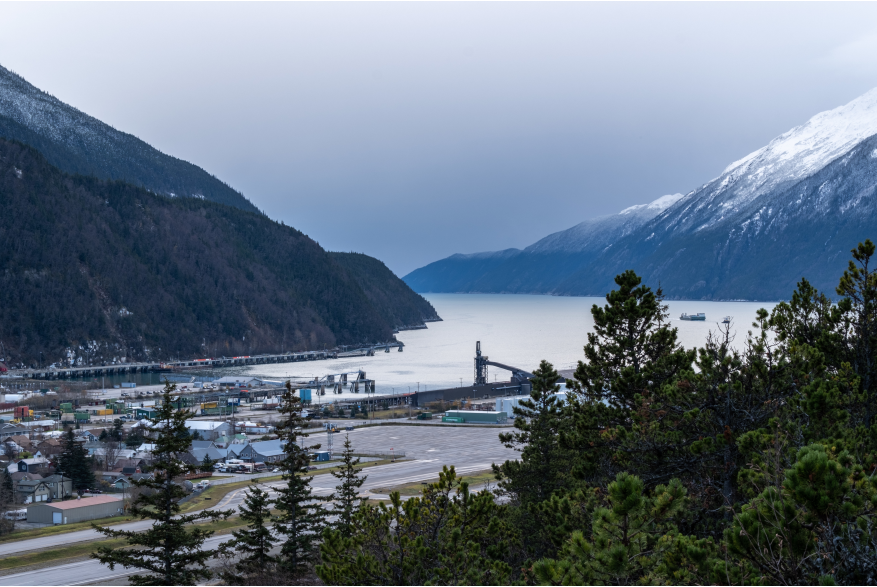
x,y
78,143
791,209
598,233
542,265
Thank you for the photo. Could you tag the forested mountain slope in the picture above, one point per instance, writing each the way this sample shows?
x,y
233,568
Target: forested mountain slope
x,y
789,209
106,265
386,291
78,143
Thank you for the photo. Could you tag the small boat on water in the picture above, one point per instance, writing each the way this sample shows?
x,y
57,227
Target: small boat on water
x,y
726,320
698,317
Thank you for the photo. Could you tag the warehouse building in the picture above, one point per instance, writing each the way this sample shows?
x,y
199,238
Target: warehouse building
x,y
74,510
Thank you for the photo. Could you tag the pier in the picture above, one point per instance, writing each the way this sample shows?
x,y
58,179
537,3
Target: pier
x,y
173,366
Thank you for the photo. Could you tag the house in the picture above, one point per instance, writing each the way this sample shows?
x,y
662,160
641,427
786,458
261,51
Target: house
x,y
89,436
75,510
115,455
202,444
50,447
32,491
93,445
23,476
33,465
234,450
208,429
59,485
268,451
201,453
21,440
7,430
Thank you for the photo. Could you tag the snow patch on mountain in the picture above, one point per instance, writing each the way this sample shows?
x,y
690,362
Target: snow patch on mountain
x,y
661,203
801,151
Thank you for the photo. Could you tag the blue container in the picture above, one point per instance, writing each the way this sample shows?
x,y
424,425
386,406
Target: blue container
x,y
304,395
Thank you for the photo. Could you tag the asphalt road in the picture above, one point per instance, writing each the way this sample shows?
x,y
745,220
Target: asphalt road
x,y
427,449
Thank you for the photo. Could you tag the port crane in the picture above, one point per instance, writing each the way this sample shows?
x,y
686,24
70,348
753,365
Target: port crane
x,y
481,362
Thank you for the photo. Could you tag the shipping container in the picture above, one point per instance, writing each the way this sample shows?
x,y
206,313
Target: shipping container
x,y
129,385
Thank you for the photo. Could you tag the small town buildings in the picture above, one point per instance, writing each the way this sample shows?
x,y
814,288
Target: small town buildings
x,y
50,447
208,429
75,510
144,413
9,429
268,451
32,465
238,381
59,486
32,491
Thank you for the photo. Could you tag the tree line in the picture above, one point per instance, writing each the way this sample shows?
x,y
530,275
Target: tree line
x,y
663,465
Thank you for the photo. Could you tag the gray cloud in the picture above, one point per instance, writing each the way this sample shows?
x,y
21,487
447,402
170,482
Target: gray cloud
x,y
413,131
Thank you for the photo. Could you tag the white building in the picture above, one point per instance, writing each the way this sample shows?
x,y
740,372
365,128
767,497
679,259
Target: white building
x,y
208,429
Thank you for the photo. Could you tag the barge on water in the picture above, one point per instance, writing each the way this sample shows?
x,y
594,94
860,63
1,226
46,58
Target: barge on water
x,y
701,317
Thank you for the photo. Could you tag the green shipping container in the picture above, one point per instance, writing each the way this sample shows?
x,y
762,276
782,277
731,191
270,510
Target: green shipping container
x,y
81,416
67,408
452,419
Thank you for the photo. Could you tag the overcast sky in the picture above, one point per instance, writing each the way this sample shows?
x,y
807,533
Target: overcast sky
x,y
412,131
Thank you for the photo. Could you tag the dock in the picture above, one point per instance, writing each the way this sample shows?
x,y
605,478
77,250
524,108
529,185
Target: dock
x,y
193,364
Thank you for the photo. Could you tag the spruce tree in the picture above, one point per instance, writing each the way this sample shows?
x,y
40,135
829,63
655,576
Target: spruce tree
x,y
301,516
858,286
171,550
544,464
346,497
252,544
74,462
207,465
7,502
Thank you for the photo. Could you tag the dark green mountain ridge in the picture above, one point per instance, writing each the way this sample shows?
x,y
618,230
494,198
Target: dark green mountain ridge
x,y
78,143
103,265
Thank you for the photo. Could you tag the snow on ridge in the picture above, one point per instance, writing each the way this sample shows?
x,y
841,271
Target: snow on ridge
x,y
821,139
661,203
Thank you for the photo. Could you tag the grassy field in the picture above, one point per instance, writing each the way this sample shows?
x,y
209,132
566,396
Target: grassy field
x,y
474,480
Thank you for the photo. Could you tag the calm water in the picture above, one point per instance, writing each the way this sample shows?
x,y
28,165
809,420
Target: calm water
x,y
516,330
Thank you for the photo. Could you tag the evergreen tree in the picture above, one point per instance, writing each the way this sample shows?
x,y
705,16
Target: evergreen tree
x,y
446,536
544,465
630,537
252,544
103,436
117,430
858,286
346,499
632,353
207,465
301,517
171,550
74,462
7,502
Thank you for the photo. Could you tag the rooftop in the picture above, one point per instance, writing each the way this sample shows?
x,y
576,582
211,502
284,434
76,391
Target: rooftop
x,y
83,502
